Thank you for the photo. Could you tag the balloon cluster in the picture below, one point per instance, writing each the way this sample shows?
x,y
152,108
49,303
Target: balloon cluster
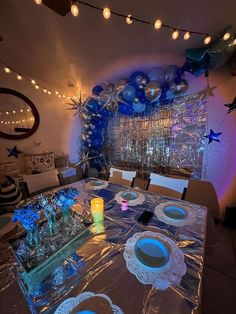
x,y
202,60
127,96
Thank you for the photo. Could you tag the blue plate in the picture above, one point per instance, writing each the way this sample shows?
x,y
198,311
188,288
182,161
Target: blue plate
x,y
175,212
129,196
97,183
152,252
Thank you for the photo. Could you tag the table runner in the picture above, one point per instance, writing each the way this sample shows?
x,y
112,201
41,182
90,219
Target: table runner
x,y
99,266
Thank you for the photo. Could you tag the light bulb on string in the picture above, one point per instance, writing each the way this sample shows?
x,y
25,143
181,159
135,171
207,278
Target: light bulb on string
x,y
63,96
21,110
56,92
36,86
106,13
207,39
186,36
7,112
44,90
129,19
33,82
19,77
157,24
13,111
38,2
175,34
226,36
49,92
74,10
59,96
7,70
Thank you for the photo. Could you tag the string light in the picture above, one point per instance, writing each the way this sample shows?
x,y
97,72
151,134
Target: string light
x,y
19,77
187,36
157,24
207,40
106,13
74,10
7,112
129,19
226,36
7,69
175,34
14,111
38,2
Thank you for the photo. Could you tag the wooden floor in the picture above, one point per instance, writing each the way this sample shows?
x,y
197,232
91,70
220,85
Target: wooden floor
x,y
219,282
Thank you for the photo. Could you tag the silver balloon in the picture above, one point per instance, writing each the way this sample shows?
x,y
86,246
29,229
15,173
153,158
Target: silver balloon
x,y
120,84
168,73
152,91
180,88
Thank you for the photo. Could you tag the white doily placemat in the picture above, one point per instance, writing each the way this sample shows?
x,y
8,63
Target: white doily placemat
x,y
139,200
69,304
160,278
91,186
188,220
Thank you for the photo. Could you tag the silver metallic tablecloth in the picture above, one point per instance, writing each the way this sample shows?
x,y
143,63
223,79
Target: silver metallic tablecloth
x,y
98,264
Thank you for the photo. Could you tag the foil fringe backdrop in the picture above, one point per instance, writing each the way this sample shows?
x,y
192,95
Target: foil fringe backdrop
x,y
170,135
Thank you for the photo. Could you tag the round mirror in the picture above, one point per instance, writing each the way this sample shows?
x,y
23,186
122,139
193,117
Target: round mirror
x,y
19,117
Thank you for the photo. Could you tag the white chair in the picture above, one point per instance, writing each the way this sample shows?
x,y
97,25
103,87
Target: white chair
x,y
167,186
121,176
37,182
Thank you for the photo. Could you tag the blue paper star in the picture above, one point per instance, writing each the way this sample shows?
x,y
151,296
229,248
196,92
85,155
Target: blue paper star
x,y
13,152
213,136
231,106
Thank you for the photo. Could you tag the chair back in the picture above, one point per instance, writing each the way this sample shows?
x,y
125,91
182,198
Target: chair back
x,y
37,182
164,191
121,176
170,183
203,193
140,183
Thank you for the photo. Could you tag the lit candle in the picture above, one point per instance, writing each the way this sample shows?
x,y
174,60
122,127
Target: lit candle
x,y
97,209
124,205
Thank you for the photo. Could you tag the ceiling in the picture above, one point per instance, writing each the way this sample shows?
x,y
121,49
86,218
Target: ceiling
x,y
58,50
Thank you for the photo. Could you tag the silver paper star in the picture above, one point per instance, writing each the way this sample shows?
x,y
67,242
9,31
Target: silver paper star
x,y
85,160
78,105
113,97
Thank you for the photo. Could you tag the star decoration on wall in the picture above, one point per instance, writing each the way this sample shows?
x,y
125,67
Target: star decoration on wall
x,y
212,136
78,105
231,106
85,160
208,91
112,97
13,152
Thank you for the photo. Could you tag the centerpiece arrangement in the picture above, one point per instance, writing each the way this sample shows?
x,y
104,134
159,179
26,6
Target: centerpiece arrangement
x,y
52,229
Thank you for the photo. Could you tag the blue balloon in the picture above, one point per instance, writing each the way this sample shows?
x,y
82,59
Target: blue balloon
x,y
139,107
129,93
97,90
105,113
125,109
138,79
154,74
100,122
92,105
141,95
97,142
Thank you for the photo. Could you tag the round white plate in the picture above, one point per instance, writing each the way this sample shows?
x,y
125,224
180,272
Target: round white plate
x,y
96,185
69,304
162,263
133,197
175,214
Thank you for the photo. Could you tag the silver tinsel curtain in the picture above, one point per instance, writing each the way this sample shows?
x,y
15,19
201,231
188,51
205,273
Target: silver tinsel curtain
x,y
164,137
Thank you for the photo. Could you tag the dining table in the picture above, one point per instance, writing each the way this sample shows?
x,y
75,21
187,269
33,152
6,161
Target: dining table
x,y
104,262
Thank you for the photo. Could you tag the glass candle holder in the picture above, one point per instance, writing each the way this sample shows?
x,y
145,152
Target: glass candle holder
x,y
124,205
97,209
